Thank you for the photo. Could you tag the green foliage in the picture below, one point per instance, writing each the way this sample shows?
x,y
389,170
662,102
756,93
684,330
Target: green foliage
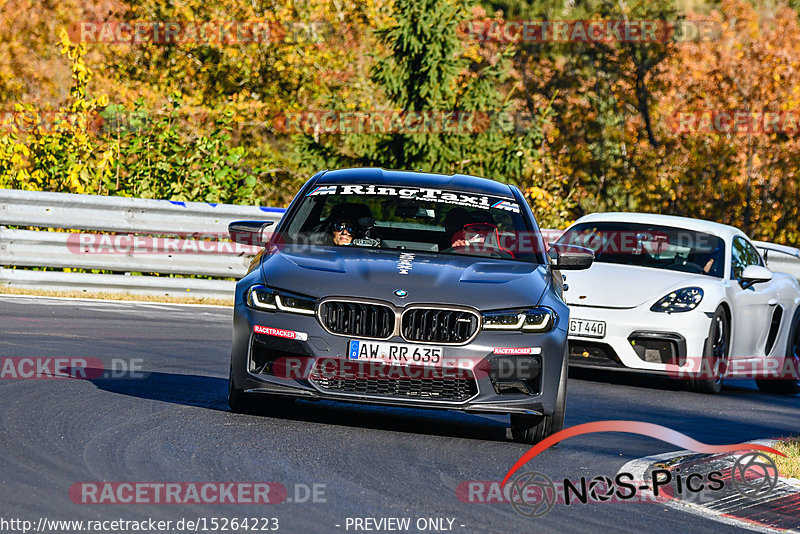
x,y
426,68
58,152
135,153
589,120
155,159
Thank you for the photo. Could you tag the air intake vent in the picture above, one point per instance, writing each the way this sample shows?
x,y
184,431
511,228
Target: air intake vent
x,y
380,380
364,320
439,326
774,326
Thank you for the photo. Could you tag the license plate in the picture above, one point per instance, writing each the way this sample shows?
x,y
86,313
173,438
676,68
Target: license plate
x,y
395,353
586,328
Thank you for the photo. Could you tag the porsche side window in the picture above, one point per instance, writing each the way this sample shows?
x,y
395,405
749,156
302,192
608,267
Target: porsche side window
x,y
742,255
737,258
754,258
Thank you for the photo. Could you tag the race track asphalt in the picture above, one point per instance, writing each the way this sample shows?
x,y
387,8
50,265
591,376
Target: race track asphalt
x,y
173,425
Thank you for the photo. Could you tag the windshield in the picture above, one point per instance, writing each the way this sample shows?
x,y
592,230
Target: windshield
x,y
413,219
654,246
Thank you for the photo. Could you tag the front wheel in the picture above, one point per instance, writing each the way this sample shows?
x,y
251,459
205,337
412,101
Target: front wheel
x,y
238,400
241,402
532,429
787,385
715,355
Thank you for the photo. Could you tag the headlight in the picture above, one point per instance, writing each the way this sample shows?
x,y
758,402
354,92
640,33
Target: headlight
x,y
533,320
261,298
265,298
682,300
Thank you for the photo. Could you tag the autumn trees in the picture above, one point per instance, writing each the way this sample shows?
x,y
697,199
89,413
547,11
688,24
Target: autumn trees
x,y
580,125
744,173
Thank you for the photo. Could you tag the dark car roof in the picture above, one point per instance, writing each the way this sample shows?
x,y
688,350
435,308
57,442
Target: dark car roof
x,y
458,182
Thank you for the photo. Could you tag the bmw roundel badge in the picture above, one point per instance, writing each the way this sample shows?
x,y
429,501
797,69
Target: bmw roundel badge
x,y
402,293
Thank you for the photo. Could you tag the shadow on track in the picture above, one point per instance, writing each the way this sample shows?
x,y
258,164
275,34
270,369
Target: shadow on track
x,y
668,402
188,390
622,378
211,393
730,386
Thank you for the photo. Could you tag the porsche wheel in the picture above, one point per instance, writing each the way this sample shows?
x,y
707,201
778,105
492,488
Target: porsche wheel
x,y
715,355
789,385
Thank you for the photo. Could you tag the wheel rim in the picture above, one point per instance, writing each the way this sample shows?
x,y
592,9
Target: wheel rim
x,y
796,354
719,349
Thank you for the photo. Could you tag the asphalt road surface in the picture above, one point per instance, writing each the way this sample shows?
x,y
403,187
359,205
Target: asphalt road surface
x,y
173,425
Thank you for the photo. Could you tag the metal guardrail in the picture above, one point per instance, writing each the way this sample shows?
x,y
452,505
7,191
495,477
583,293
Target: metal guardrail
x,y
120,214
25,248
122,235
134,235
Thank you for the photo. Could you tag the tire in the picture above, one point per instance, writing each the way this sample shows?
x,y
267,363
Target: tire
x,y
715,355
238,400
790,386
532,429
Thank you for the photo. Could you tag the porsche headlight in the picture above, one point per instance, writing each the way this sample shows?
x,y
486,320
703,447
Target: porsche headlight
x,y
682,300
539,319
265,298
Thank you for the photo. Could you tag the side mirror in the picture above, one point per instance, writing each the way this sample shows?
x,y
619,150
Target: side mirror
x,y
755,274
570,257
249,232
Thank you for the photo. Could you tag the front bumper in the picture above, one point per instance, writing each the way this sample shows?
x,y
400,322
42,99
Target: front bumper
x,y
490,383
639,339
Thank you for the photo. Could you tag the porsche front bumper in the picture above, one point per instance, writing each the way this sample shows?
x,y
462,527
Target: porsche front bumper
x,y
637,339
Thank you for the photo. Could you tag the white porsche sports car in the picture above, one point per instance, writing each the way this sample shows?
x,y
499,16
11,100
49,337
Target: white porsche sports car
x,y
689,298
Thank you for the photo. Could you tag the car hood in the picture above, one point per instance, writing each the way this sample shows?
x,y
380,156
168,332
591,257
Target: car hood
x,y
428,278
624,286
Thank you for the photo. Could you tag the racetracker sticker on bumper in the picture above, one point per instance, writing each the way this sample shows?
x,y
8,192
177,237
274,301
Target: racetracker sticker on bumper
x,y
278,332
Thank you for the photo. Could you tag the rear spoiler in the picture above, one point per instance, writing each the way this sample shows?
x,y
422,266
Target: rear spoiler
x,y
780,258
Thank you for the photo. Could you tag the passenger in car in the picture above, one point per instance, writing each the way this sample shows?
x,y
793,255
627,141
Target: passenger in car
x,y
454,223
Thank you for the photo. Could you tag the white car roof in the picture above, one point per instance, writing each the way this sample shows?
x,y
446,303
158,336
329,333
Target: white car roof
x,y
718,229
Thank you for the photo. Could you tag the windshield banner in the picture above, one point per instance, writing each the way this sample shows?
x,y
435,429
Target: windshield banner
x,y
459,198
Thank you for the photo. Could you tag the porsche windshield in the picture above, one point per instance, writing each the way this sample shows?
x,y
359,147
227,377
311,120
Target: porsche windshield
x,y
414,219
645,245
